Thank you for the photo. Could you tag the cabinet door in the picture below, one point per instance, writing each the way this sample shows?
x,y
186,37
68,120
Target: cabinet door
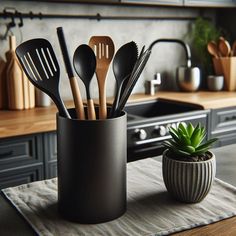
x,y
22,175
223,121
210,3
155,2
18,151
50,162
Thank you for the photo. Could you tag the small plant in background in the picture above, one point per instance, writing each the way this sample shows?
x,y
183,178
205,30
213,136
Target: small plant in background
x,y
187,143
203,31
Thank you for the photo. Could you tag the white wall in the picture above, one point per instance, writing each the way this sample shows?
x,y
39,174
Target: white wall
x,y
165,57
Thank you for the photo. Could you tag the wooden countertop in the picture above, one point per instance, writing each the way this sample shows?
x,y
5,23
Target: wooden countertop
x,y
36,120
43,119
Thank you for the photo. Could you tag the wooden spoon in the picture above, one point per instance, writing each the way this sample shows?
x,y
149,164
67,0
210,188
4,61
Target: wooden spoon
x,y
103,47
224,47
213,49
233,50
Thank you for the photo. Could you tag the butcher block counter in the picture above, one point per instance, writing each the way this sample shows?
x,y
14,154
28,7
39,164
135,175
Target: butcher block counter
x,y
42,119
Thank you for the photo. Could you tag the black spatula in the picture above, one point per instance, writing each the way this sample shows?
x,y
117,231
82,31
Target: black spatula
x,y
41,67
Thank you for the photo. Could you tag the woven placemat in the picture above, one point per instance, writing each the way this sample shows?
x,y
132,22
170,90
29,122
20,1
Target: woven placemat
x,y
150,210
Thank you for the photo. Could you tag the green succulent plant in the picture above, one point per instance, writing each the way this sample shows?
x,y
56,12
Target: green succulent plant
x,y
188,141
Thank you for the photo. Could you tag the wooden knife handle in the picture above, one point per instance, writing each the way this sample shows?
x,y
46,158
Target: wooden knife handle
x,y
91,110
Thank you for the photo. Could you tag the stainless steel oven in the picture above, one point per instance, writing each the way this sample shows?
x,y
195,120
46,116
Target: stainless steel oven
x,y
149,122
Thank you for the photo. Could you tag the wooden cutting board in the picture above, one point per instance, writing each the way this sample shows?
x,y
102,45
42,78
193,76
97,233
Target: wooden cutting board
x,y
3,85
15,85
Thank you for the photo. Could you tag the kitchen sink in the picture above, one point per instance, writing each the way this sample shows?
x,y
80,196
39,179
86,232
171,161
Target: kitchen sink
x,y
148,124
157,108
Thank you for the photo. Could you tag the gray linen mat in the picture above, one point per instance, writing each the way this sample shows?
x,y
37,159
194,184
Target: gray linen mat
x,y
150,210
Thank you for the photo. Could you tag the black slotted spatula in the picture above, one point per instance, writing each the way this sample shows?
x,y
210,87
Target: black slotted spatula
x,y
40,64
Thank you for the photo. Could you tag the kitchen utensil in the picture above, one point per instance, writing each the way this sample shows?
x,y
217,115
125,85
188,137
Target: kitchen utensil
x,y
73,82
233,50
3,85
85,65
213,49
224,47
123,64
15,84
103,47
41,67
136,72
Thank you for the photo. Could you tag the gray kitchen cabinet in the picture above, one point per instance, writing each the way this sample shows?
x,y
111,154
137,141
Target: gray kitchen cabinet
x,y
21,160
155,2
210,3
223,125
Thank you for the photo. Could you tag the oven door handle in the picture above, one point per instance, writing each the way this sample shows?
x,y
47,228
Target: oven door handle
x,y
146,149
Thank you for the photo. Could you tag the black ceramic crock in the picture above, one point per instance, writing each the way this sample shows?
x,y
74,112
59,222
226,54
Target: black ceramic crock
x,y
92,157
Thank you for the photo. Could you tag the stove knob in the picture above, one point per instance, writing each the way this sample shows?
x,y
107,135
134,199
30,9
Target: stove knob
x,y
160,130
140,134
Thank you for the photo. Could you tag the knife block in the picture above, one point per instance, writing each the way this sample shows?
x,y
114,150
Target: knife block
x,y
92,156
226,66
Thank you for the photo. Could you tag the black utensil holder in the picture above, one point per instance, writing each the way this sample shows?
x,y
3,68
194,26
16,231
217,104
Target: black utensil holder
x,y
92,156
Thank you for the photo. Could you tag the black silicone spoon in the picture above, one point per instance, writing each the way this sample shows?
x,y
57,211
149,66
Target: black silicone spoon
x,y
84,61
123,64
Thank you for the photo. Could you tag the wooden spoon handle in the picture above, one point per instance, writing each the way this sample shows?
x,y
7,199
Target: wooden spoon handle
x,y
102,100
79,107
91,110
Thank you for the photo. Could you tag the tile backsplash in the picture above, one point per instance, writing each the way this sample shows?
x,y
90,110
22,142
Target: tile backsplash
x,y
164,58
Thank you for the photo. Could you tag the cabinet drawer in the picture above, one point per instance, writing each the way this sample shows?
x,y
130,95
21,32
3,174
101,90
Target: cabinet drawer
x,y
19,151
223,120
17,176
226,139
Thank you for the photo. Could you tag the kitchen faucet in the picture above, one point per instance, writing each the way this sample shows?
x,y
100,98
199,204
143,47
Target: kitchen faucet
x,y
152,84
188,77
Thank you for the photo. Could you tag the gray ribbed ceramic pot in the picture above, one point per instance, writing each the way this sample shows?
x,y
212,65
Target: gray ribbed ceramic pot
x,y
188,182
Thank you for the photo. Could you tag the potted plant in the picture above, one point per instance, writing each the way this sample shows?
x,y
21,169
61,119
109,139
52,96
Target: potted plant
x,y
188,166
201,33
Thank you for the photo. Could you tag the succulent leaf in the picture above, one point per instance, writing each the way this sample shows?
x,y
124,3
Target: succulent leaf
x,y
185,139
196,136
183,129
190,129
207,144
189,149
175,136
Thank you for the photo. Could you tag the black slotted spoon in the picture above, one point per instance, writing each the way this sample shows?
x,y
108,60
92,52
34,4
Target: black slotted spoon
x,y
39,63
